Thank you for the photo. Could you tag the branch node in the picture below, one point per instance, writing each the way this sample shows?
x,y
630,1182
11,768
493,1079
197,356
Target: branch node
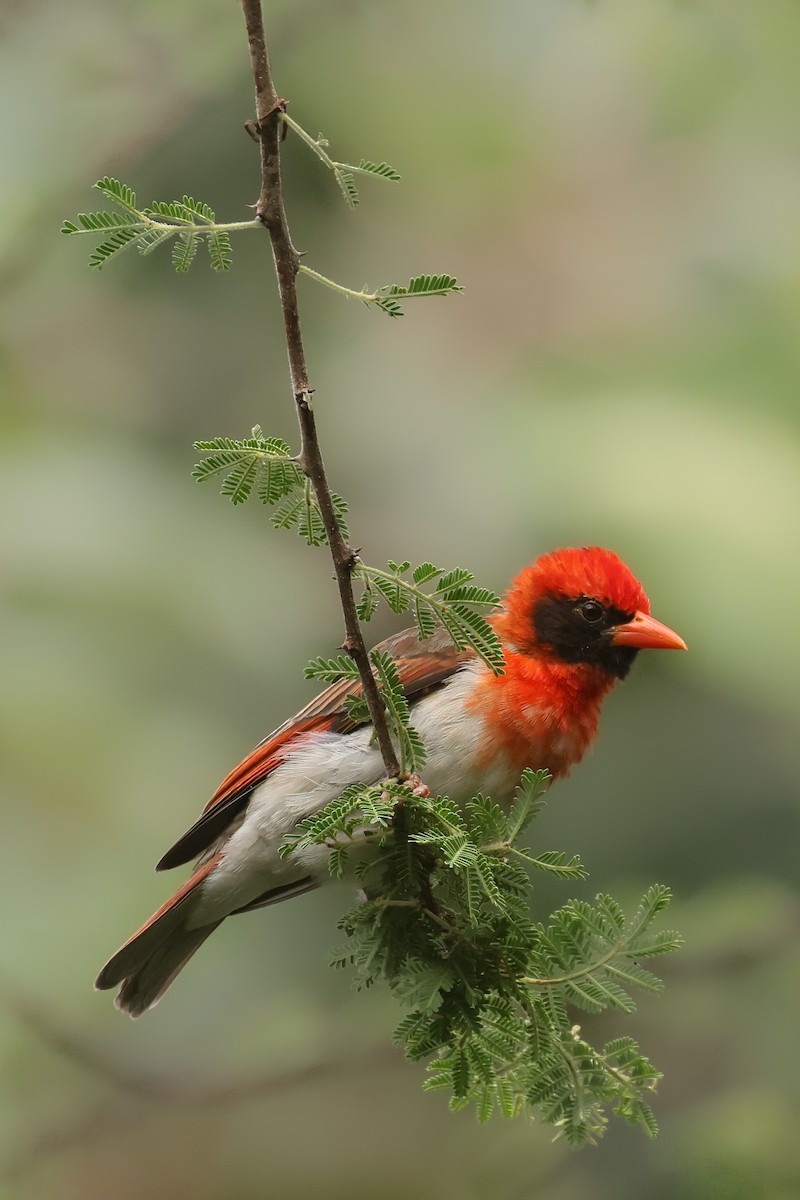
x,y
279,106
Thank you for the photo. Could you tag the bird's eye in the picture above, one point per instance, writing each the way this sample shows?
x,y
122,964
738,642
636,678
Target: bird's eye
x,y
591,611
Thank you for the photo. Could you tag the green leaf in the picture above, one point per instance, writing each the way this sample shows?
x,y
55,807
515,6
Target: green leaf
x,y
397,598
118,241
367,603
631,973
487,821
485,1104
118,192
424,618
382,169
650,944
390,307
412,750
198,208
357,709
170,210
425,285
452,579
88,222
529,800
220,251
152,239
287,514
238,484
460,1073
557,863
258,463
654,901
377,807
466,627
331,670
310,525
341,508
347,186
337,861
333,820
277,479
423,985
183,251
471,595
425,572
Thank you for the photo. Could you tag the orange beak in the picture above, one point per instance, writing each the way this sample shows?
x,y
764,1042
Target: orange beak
x,y
646,633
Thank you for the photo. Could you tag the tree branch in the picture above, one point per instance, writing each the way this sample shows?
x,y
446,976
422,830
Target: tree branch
x,y
272,214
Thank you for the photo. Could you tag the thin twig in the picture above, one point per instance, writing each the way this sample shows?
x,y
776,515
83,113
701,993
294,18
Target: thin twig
x,y
271,212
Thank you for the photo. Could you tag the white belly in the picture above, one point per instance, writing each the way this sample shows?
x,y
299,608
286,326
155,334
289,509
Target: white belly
x,y
319,771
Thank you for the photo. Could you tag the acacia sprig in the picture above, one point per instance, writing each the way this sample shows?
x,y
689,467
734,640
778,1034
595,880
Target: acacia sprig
x,y
446,926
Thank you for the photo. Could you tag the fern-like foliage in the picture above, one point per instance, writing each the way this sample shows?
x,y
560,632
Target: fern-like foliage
x,y
382,169
343,173
184,249
186,223
189,223
446,925
387,298
331,670
264,466
411,746
421,285
300,511
259,464
347,185
118,192
451,600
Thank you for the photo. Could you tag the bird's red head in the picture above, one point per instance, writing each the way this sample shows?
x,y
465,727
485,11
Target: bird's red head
x,y
582,606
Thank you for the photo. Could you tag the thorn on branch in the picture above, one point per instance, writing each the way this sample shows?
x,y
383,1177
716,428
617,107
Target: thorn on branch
x,y
255,127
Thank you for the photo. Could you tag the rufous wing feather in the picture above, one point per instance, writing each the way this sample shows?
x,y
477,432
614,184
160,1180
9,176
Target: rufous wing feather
x,y
422,666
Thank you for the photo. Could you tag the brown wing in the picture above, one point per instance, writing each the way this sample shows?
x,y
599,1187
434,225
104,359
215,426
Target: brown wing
x,y
422,666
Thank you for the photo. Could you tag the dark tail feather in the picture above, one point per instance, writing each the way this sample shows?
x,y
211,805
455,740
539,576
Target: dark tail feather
x,y
149,961
145,987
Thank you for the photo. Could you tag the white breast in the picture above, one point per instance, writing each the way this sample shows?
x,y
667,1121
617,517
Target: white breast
x,y
320,770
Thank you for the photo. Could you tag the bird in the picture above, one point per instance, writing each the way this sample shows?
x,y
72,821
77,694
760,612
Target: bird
x,y
570,626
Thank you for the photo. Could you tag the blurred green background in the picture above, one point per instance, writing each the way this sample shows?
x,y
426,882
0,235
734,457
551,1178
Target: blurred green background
x,y
617,187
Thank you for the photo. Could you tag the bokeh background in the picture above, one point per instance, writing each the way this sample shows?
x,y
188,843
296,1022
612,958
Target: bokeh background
x,y
618,188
